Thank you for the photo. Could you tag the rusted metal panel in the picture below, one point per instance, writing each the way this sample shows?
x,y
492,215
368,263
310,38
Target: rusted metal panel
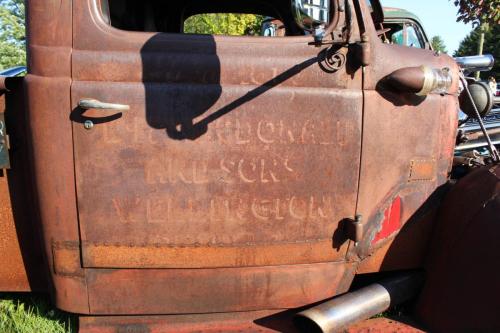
x,y
258,177
258,321
48,24
22,267
161,256
407,140
48,103
13,276
222,160
66,257
408,248
257,169
49,32
176,291
461,290
254,321
422,170
391,222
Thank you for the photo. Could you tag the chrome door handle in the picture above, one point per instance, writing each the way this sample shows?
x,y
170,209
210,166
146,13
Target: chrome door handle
x,y
87,103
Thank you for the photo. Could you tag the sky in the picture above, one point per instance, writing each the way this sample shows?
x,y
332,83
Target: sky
x,y
438,18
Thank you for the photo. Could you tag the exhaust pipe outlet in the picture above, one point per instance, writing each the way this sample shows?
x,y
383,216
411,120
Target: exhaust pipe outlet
x,y
343,311
479,63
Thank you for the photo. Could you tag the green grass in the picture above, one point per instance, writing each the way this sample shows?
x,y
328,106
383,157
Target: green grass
x,y
28,313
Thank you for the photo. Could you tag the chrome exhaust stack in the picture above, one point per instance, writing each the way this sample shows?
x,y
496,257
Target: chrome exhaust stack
x,y
478,63
343,311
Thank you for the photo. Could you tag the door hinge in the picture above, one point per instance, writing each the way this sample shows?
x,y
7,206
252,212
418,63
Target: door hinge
x,y
362,53
354,229
4,144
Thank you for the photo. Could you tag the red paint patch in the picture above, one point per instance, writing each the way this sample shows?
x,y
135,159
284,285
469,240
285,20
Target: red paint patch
x,y
392,221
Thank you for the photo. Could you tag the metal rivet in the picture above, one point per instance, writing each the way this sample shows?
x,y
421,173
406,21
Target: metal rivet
x,y
88,124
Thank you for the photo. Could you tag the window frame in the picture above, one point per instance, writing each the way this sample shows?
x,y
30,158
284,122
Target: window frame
x,y
103,12
421,35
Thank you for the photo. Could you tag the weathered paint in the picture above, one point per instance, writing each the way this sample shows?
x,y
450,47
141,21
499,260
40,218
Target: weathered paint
x,y
222,169
391,222
399,157
22,265
256,321
178,291
47,87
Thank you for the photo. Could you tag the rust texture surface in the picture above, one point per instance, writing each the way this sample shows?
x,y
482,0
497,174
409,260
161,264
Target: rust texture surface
x,y
21,267
232,170
407,148
256,321
222,160
461,290
407,250
49,31
214,290
13,275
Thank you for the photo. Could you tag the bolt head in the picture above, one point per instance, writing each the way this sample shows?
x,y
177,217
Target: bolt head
x,y
88,124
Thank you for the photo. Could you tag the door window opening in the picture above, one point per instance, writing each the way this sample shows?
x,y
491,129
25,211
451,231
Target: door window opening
x,y
231,24
223,17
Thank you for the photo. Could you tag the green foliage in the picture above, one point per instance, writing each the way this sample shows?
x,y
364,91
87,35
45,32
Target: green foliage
x,y
438,44
12,33
28,313
478,11
468,47
224,24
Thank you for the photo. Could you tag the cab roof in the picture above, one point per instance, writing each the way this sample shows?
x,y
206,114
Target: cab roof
x,y
398,13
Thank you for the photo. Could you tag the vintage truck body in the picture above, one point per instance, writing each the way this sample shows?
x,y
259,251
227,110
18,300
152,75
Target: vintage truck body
x,y
228,191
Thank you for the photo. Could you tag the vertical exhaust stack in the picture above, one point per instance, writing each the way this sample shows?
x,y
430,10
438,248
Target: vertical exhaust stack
x,y
479,63
343,311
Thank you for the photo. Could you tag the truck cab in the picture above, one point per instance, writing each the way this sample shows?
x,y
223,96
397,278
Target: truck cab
x,y
212,181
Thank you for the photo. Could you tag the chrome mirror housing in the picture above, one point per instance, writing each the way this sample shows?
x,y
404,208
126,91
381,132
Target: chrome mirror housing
x,y
309,14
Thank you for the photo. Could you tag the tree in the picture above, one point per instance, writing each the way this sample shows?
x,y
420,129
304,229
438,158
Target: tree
x,y
438,44
478,11
468,46
12,33
482,13
224,24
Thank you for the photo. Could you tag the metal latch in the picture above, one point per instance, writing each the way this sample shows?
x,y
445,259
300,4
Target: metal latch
x,y
353,229
4,144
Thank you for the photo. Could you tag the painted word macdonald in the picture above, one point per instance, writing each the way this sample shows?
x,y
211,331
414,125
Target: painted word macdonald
x,y
242,132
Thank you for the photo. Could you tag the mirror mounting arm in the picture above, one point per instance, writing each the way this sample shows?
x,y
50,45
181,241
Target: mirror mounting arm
x,y
335,33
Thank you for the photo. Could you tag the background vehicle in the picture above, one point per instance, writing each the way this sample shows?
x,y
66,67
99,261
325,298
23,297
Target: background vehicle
x,y
190,182
403,28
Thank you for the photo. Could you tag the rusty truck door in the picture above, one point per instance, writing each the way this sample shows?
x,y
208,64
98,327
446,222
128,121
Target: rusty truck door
x,y
235,151
413,137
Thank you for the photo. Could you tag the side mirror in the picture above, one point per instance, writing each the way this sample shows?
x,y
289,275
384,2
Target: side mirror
x,y
310,14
